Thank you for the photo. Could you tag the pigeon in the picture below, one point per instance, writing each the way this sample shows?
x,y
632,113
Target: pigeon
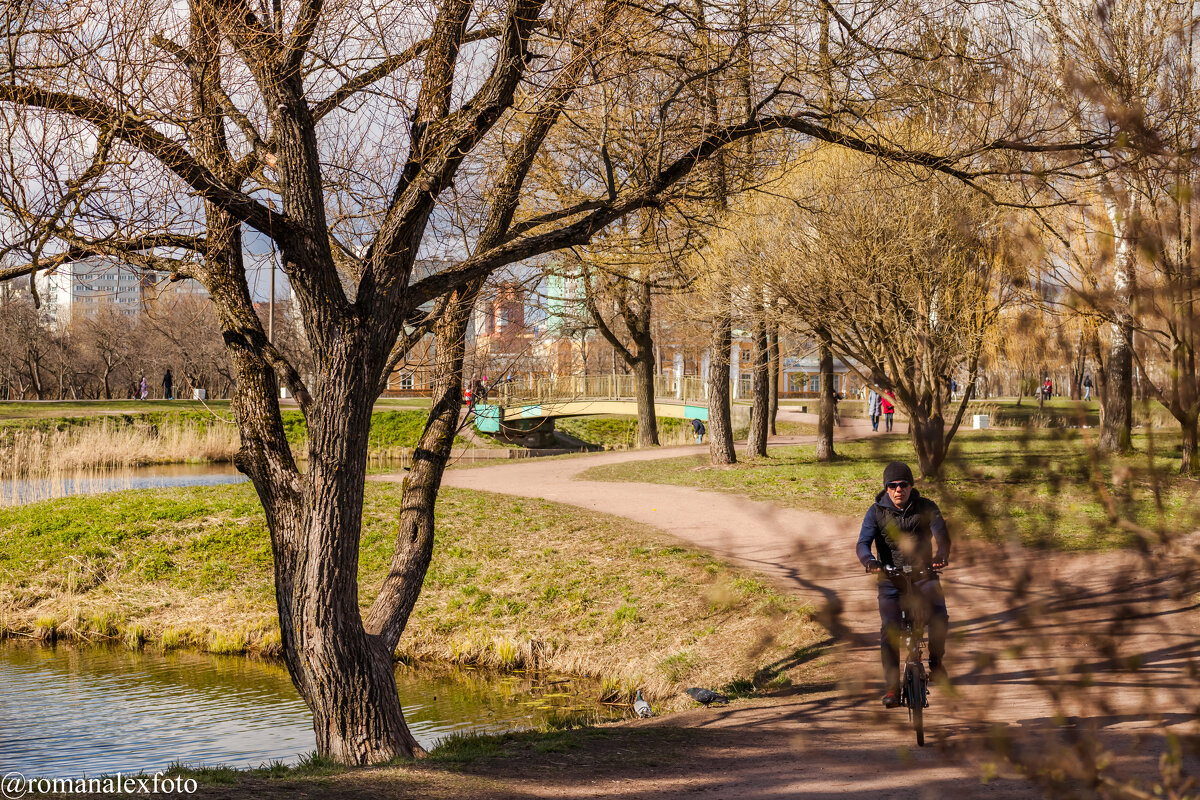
x,y
642,707
706,696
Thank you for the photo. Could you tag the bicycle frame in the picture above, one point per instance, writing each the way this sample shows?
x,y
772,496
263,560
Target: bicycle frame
x,y
914,682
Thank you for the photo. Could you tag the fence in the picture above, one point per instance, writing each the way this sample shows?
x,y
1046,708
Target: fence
x,y
540,388
532,389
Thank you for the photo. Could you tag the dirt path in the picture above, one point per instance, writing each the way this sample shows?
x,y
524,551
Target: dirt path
x,y
1011,653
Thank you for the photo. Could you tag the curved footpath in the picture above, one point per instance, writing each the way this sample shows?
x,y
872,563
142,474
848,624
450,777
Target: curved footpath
x,y
1011,652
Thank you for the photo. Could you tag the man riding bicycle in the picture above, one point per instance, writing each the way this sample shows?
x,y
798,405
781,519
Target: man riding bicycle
x,y
904,527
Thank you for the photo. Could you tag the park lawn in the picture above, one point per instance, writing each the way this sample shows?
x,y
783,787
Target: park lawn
x,y
393,429
1057,412
12,410
1041,487
18,411
614,432
788,428
611,431
513,583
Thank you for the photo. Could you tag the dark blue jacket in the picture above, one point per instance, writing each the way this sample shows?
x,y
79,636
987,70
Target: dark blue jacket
x,y
904,536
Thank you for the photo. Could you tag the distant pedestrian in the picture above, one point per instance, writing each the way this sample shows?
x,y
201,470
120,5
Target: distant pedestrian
x,y
953,390
143,389
888,409
1087,387
167,384
698,430
837,420
874,408
1048,388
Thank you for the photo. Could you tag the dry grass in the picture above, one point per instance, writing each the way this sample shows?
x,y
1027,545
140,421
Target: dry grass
x,y
528,583
106,444
39,464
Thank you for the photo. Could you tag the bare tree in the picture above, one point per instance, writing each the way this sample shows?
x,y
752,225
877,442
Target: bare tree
x,y
628,288
905,278
111,339
349,145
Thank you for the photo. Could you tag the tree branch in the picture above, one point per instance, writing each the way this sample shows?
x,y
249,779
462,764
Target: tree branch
x,y
139,134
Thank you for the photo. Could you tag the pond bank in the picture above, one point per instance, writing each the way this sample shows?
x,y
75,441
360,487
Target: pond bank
x,y
198,709
514,583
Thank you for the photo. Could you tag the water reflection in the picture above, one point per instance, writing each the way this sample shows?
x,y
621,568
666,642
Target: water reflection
x,y
21,491
71,711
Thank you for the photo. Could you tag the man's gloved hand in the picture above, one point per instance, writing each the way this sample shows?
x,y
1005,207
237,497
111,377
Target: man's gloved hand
x,y
874,565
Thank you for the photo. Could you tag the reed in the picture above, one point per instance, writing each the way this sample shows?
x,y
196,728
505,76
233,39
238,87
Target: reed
x,y
38,464
27,452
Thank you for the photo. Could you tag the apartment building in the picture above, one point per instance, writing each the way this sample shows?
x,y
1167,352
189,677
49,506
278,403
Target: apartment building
x,y
82,288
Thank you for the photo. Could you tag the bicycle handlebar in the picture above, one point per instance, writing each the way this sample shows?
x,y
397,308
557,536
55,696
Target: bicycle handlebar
x,y
896,572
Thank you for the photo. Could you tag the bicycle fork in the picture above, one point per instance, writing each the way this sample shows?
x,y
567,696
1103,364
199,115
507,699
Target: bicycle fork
x,y
913,679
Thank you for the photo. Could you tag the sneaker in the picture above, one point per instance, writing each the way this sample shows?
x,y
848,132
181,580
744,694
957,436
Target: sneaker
x,y
891,699
937,673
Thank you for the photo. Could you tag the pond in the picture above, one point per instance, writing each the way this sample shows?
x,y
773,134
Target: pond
x,y
20,491
70,712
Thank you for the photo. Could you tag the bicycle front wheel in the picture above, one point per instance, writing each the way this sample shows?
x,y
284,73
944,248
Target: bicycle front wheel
x,y
914,680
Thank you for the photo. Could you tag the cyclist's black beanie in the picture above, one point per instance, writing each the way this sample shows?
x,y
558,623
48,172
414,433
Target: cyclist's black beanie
x,y
897,471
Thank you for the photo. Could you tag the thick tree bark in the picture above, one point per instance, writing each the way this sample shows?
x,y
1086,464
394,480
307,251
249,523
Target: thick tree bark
x,y
643,372
825,419
929,441
389,614
756,441
720,423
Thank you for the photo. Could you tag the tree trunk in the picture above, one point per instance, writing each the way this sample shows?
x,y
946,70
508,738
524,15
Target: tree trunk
x,y
1116,400
929,441
1116,416
773,349
389,614
643,370
720,423
1187,452
756,442
825,419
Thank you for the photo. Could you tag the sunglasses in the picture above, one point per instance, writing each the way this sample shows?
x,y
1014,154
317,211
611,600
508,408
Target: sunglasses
x,y
898,485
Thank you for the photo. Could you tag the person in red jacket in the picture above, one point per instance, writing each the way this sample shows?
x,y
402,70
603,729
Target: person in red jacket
x,y
888,409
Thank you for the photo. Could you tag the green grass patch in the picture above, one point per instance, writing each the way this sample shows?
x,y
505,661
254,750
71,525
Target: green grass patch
x,y
789,428
1047,488
1062,412
390,430
612,431
514,583
16,411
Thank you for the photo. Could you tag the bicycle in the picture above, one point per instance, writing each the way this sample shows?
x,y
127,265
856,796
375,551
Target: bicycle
x,y
914,681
